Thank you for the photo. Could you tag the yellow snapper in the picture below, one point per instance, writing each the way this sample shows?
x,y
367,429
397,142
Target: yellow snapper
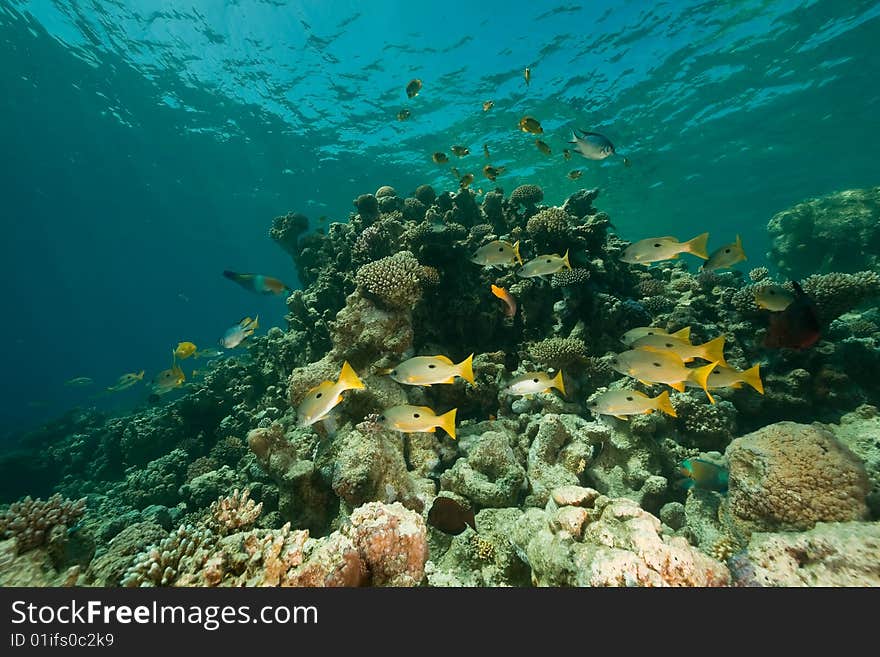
x,y
239,333
544,265
712,351
773,297
497,253
656,249
621,403
661,367
724,376
416,419
725,257
126,381
532,383
324,397
641,331
428,370
168,380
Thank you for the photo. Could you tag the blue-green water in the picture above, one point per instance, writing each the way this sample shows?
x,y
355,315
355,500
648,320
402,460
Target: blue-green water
x,y
148,145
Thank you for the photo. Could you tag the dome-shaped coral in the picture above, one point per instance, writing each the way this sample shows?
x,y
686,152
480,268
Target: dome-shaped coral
x,y
837,293
527,195
394,281
425,194
559,352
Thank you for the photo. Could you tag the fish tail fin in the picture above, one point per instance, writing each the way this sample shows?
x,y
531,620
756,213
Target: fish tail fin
x,y
349,378
256,323
565,259
701,376
752,376
683,334
466,369
516,252
664,405
559,383
140,375
697,246
447,422
713,351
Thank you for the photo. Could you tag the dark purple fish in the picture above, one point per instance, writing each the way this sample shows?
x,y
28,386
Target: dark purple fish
x,y
796,327
450,517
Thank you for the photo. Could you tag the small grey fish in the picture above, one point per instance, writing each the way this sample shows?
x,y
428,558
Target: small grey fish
x,y
593,146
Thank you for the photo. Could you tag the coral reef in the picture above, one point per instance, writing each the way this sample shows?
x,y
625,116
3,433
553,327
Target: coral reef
x,y
33,523
789,476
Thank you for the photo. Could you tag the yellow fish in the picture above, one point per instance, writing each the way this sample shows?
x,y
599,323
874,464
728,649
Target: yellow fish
x,y
712,351
724,376
543,147
655,249
566,153
207,353
428,370
488,104
324,397
641,331
621,403
497,253
413,88
416,419
168,380
725,257
527,74
465,181
532,383
544,265
184,350
530,124
661,367
403,115
575,174
773,297
440,158
492,172
460,151
126,381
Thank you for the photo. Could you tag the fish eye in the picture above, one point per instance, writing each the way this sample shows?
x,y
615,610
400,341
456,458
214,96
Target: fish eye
x,y
416,415
771,291
319,395
650,332
431,366
615,361
629,399
657,245
727,250
500,249
381,418
394,372
548,261
656,364
669,345
535,380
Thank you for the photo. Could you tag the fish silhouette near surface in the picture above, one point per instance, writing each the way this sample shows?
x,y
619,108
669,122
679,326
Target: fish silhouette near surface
x,y
796,327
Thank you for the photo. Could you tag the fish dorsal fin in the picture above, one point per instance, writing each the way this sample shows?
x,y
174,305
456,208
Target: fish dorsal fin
x,y
244,321
444,359
425,410
677,386
683,334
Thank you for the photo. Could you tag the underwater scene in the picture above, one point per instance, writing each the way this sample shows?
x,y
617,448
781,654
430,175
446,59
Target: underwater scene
x,y
440,294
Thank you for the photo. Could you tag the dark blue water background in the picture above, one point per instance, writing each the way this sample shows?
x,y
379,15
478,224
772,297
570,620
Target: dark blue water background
x,y
147,145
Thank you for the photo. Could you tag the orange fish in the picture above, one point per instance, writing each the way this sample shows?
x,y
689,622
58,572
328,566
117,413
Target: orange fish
x,y
508,299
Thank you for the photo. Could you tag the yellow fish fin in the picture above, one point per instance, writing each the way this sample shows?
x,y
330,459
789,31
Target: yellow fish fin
x,y
444,359
451,379
739,245
256,323
447,422
348,378
565,259
622,417
664,405
558,382
516,252
244,322
678,386
701,375
466,369
752,376
697,246
140,375
713,351
645,383
683,334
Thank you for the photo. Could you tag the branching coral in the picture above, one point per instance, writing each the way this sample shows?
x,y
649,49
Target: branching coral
x,y
235,512
836,294
31,522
